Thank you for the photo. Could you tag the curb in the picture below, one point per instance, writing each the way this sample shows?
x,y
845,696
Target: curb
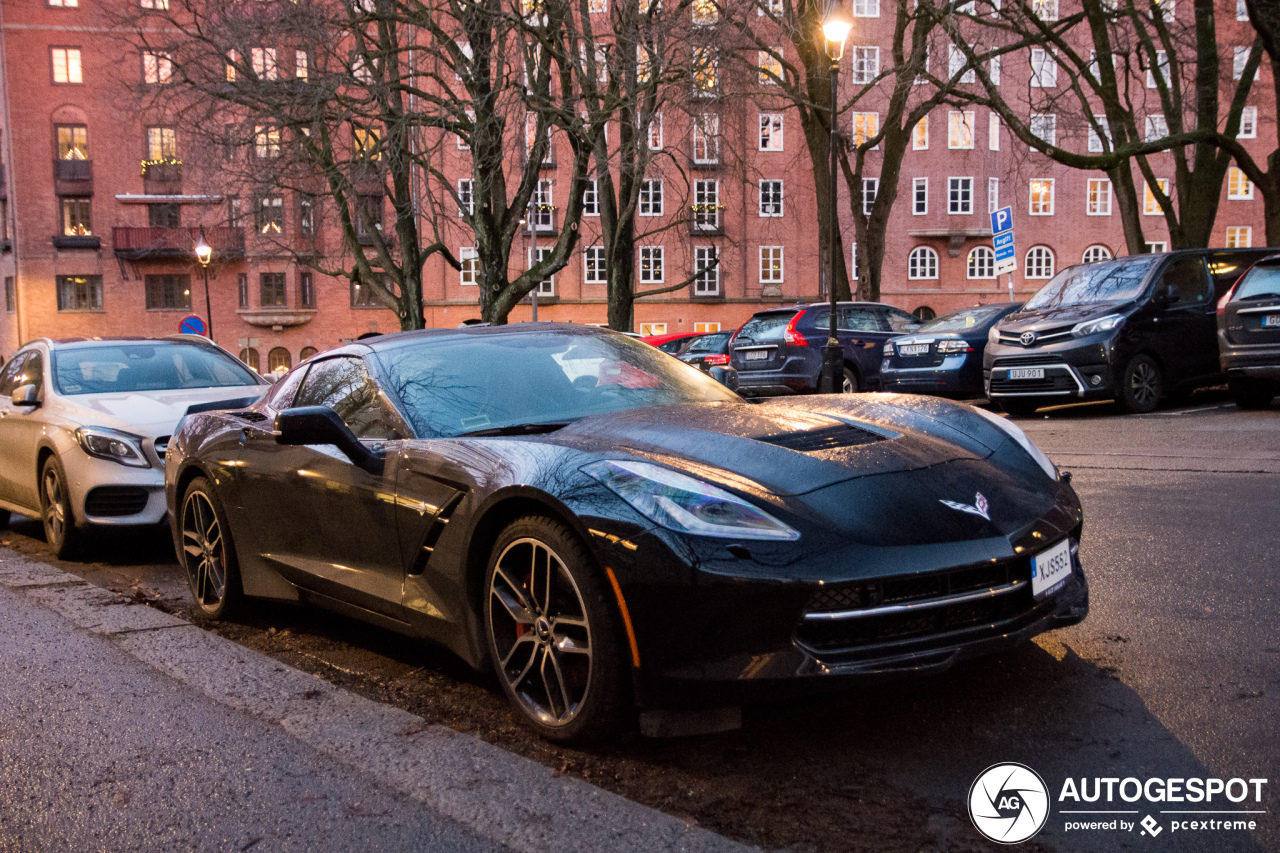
x,y
501,796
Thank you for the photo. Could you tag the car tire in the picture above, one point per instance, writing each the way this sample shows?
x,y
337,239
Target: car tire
x,y
4,518
850,385
1019,407
60,530
1252,393
557,653
1141,385
207,552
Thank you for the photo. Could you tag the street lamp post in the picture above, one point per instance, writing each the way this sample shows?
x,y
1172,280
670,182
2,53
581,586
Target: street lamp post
x,y
204,254
835,28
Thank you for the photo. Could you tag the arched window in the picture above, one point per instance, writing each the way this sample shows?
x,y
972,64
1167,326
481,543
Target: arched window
x,y
249,356
982,262
924,312
278,359
922,263
1040,262
306,353
1093,254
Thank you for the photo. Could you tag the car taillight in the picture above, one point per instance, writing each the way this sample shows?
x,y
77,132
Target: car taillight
x,y
1222,303
791,336
954,346
717,359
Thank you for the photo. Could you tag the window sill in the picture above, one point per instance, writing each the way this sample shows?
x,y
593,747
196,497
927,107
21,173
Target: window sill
x,y
63,242
82,311
186,310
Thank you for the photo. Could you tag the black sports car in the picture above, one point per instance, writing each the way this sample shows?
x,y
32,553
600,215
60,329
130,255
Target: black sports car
x,y
608,527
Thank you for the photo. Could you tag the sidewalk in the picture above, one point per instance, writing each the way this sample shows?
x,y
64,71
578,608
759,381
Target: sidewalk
x,y
125,728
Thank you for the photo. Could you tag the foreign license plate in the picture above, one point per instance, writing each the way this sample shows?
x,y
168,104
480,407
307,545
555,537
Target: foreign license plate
x,y
1026,373
913,349
1271,320
1050,569
755,355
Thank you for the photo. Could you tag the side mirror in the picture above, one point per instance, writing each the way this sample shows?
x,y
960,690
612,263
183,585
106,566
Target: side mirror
x,y
26,395
726,376
307,425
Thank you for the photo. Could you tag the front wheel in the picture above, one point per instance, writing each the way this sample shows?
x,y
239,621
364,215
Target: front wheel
x,y
55,511
208,554
1140,385
850,382
1252,393
552,634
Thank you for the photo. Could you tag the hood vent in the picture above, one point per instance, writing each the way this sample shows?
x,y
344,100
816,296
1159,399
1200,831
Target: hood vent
x,y
829,438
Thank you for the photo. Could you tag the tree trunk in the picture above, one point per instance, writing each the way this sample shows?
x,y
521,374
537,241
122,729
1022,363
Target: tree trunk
x,y
817,134
1126,195
622,278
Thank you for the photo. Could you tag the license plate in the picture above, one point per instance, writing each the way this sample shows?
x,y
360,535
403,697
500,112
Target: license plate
x,y
1026,373
1050,569
913,349
755,355
1270,320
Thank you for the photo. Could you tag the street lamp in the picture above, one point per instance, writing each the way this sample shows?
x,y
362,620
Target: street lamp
x,y
835,29
204,254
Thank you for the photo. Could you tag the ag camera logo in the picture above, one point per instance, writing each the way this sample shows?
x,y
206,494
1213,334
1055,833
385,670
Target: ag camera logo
x,y
1008,803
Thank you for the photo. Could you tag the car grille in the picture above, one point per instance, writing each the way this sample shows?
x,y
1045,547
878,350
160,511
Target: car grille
x,y
828,438
1042,335
1055,382
1026,360
114,501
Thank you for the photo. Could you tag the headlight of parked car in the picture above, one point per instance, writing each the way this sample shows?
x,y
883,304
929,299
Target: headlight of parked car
x,y
112,444
1016,433
993,336
685,504
1102,324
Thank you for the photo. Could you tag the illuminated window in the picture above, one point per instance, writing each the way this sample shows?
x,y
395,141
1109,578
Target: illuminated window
x,y
920,135
706,328
278,360
77,217
650,329
366,143
706,205
770,67
73,142
265,64
770,131
771,264
162,143
866,126
157,68
706,71
1041,197
1099,198
959,129
1239,187
270,218
66,65
651,269
704,12
266,141
1150,204
595,266
1239,237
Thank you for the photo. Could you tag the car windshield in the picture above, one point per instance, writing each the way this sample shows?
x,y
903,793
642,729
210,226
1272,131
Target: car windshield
x,y
1118,281
1259,282
766,327
487,382
963,321
152,366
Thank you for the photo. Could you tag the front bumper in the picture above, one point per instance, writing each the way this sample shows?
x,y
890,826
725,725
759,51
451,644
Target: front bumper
x,y
107,494
1074,369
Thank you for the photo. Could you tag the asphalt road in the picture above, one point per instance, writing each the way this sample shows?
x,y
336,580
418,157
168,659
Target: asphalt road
x,y
1176,673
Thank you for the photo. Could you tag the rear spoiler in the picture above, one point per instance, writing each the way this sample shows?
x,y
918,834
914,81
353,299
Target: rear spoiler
x,y
222,405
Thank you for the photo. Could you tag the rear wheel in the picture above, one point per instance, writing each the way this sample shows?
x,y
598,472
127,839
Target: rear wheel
x,y
208,554
1140,385
1019,407
850,382
552,634
55,511
1252,393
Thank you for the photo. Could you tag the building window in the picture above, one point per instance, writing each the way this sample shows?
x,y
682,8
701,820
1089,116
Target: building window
x,y
271,290
249,356
366,143
706,268
771,198
469,266
79,292
706,205
73,141
1044,69
1042,197
542,207
162,144
362,296
993,69
993,195
1242,10
157,68
306,291
66,65
920,196
590,197
242,290
1039,262
982,263
266,141
168,292
956,60
306,353
706,139
1093,254
922,263
466,197
301,64
771,264
650,201
1157,128
1045,10
920,135
870,189
651,264
1162,65
993,132
307,217
1239,187
866,64
265,64
1151,204
770,66
64,4
278,360
705,328
1044,126
866,8
235,213
1239,61
866,126
650,329
706,72
655,132
270,215
594,265
77,217
166,215
1239,237
1248,123
368,216
770,131
10,295
960,129
959,196
1095,138
1099,203
1157,247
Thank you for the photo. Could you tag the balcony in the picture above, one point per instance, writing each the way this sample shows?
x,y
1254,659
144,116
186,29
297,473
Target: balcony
x,y
276,317
162,178
73,177
134,244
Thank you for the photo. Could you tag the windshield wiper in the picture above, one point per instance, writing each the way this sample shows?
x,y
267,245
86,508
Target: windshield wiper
x,y
535,428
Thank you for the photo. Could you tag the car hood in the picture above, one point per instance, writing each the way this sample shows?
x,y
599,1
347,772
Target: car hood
x,y
1067,315
150,414
791,446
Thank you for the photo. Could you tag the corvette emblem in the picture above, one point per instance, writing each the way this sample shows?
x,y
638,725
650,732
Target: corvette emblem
x,y
978,507
1028,338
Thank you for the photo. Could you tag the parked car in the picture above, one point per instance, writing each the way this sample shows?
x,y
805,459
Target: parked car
x,y
704,351
944,356
84,425
779,351
1249,335
607,527
670,344
1134,330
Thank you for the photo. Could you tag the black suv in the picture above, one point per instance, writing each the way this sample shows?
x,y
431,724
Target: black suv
x,y
779,351
1249,335
1134,329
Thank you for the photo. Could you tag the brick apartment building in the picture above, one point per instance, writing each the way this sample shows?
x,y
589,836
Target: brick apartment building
x,y
100,217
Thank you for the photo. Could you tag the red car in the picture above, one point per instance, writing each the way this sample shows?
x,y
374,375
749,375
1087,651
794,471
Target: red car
x,y
670,343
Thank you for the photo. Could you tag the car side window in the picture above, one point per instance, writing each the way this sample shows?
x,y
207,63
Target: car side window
x,y
901,321
345,385
854,319
1187,278
9,376
281,395
32,371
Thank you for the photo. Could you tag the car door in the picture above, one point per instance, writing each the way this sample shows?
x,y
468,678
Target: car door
x,y
10,427
323,522
1185,324
862,336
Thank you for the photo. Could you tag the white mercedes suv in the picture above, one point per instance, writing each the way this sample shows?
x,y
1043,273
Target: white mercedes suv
x,y
84,425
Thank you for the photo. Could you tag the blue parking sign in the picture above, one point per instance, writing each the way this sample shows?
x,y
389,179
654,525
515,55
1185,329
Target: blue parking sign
x,y
1003,239
1002,220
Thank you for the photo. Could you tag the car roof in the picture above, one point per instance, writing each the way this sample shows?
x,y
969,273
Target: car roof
x,y
397,340
80,343
802,306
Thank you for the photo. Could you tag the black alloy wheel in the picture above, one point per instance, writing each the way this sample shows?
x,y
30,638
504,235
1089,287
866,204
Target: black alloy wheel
x,y
850,382
1252,393
552,634
55,511
1141,385
1020,407
208,554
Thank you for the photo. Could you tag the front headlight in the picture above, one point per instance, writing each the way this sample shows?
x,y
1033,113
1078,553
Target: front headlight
x,y
114,445
1102,324
993,336
1016,433
685,504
